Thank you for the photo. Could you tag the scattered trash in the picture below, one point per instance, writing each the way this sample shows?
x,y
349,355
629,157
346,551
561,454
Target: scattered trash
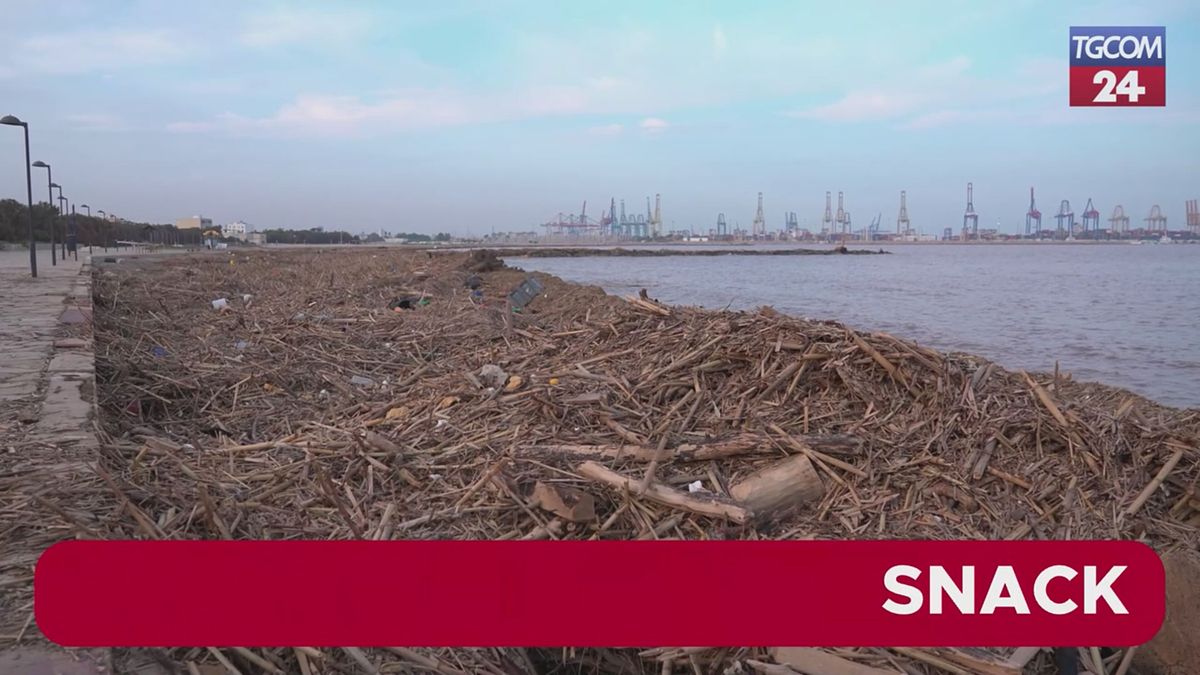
x,y
407,302
446,402
728,390
111,260
246,297
474,282
158,351
493,375
523,294
220,303
514,383
240,345
360,381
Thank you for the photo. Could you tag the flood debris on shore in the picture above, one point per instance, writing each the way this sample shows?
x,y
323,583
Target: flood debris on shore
x,y
585,416
600,252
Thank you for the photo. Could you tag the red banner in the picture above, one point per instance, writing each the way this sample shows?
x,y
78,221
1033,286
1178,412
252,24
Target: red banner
x,y
626,593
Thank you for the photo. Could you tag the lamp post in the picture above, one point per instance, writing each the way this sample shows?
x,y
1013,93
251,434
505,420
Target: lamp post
x,y
66,225
63,210
89,210
49,189
74,235
11,121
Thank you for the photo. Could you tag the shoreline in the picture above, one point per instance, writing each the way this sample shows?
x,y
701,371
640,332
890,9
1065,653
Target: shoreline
x,y
582,252
441,421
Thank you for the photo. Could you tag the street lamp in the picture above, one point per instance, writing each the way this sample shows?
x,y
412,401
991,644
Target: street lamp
x,y
11,121
50,189
93,236
62,210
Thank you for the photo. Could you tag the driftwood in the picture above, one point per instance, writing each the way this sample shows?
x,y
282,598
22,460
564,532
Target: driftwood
x,y
565,502
779,487
241,424
817,662
737,446
664,495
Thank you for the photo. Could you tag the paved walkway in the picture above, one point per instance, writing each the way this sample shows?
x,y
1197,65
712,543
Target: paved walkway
x,y
47,438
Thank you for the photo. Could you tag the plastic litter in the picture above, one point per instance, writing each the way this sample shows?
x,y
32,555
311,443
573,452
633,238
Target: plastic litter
x,y
697,486
158,351
240,345
493,375
406,302
360,381
220,303
524,293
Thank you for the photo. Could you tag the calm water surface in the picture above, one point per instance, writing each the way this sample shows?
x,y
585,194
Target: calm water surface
x,y
1119,314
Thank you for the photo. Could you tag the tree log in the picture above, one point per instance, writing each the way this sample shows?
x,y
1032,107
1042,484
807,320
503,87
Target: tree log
x,y
779,487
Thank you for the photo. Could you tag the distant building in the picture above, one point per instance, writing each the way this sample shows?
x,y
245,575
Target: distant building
x,y
256,238
236,230
193,223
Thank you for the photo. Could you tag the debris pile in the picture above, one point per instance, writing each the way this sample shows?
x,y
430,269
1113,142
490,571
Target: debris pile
x,y
585,416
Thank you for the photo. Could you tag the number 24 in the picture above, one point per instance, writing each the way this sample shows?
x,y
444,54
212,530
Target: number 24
x,y
1128,87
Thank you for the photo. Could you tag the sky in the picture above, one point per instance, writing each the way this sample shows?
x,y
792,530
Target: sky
x,y
478,116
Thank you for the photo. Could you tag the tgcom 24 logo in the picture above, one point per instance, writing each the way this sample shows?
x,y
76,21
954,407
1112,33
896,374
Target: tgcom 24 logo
x,y
1118,66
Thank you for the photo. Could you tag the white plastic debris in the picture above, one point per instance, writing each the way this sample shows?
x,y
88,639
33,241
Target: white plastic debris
x,y
361,381
697,486
492,375
246,297
220,303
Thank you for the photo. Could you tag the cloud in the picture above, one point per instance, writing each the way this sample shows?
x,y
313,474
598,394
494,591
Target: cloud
x,y
86,51
720,42
343,115
653,125
864,106
418,108
96,122
303,26
607,130
949,92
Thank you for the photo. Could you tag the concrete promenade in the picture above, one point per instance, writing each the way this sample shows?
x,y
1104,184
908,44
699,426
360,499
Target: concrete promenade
x,y
47,439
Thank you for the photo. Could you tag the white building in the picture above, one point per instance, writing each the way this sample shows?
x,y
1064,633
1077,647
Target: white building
x,y
236,230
